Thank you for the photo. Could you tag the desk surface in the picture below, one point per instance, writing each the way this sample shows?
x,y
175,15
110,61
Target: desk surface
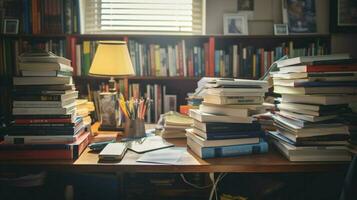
x,y
270,162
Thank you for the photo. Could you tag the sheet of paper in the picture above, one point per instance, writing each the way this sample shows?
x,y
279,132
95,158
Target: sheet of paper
x,y
169,156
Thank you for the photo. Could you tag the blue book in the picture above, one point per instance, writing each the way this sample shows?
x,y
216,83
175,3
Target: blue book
x,y
216,63
227,151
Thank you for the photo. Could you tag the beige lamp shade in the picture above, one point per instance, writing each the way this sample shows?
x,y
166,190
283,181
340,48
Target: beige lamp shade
x,y
111,59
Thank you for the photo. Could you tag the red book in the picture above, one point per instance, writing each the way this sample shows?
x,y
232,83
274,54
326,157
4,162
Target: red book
x,y
206,57
42,121
211,56
262,67
191,72
318,68
73,42
45,151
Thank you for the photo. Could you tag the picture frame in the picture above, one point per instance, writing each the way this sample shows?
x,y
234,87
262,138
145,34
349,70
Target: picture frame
x,y
235,24
343,16
11,26
245,5
281,29
300,15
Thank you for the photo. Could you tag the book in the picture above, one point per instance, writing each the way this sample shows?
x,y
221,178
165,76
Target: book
x,y
314,90
43,104
227,151
26,73
305,117
227,134
44,111
41,139
310,59
227,100
236,91
37,88
313,153
236,106
216,143
313,107
213,127
51,58
44,66
318,68
46,97
206,117
308,83
315,76
224,111
45,131
66,151
42,80
299,110
319,99
325,140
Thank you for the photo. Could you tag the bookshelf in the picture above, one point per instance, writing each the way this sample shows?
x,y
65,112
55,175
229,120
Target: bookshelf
x,y
187,57
179,84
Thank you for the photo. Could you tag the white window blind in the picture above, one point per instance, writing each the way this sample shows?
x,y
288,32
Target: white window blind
x,y
144,16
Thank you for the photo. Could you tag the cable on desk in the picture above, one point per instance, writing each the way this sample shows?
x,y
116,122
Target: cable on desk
x,y
214,187
194,185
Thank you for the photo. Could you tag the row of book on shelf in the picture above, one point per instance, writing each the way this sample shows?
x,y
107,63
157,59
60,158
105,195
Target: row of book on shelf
x,y
180,59
45,16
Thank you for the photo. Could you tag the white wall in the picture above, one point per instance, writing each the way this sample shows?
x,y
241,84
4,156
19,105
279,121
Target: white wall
x,y
269,12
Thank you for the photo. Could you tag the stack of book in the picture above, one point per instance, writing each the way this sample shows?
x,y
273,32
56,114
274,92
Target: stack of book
x,y
224,124
45,125
174,125
315,91
83,109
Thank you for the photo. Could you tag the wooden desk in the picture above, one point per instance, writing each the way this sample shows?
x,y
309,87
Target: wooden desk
x,y
271,162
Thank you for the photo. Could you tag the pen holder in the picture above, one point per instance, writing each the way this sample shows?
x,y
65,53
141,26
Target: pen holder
x,y
134,128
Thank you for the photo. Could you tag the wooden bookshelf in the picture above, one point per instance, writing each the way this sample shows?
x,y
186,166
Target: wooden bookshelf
x,y
179,85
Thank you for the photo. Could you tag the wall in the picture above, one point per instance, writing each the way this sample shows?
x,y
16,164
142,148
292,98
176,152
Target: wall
x,y
269,12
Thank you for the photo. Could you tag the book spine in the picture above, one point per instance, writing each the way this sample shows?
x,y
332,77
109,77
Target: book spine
x,y
233,135
37,154
236,150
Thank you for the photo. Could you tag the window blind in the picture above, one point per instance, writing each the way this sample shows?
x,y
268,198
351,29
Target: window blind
x,y
144,16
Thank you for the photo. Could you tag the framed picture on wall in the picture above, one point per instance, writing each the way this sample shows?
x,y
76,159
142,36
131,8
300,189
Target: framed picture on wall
x,y
235,24
11,26
281,29
343,17
300,15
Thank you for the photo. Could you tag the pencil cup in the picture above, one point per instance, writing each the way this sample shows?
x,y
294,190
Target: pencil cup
x,y
134,128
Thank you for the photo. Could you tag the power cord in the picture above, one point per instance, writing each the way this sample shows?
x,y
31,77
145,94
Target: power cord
x,y
215,183
194,185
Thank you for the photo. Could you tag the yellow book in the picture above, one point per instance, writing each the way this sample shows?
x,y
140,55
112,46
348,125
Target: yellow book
x,y
254,66
157,61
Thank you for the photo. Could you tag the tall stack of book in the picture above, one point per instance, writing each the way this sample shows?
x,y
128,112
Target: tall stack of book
x,y
46,126
315,91
224,124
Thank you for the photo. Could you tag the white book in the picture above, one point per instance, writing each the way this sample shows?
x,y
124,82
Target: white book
x,y
319,99
43,104
69,109
43,139
314,90
206,117
42,80
306,117
239,112
44,66
236,91
319,153
226,100
307,59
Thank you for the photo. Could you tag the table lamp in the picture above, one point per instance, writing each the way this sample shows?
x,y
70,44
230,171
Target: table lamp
x,y
111,59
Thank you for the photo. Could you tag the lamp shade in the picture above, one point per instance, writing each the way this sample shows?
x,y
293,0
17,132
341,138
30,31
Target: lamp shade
x,y
111,59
